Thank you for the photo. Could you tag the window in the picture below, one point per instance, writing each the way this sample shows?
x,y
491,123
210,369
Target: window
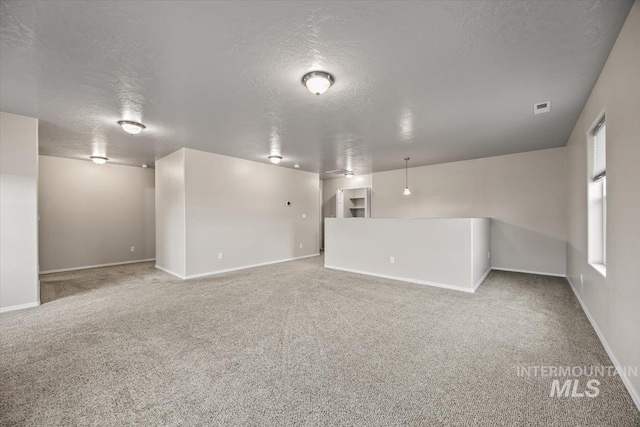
x,y
597,212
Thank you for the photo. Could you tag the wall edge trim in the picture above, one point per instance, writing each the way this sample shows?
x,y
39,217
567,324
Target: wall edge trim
x,y
228,270
173,273
86,267
635,396
484,276
19,307
541,273
403,279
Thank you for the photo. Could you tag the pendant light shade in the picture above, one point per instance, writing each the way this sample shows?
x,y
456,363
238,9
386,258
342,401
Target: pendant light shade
x,y
406,191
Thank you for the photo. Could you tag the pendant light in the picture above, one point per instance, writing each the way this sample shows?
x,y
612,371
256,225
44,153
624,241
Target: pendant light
x,y
406,192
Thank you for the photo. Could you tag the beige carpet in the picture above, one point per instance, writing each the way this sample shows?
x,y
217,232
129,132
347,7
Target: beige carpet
x,y
295,344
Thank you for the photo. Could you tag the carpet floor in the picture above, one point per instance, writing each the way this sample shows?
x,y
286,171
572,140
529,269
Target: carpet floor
x,y
296,344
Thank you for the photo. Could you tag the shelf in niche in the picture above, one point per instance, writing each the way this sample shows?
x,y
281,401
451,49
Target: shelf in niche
x,y
353,202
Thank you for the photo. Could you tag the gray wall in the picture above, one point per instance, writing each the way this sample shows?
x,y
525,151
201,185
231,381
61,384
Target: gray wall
x,y
19,286
238,208
524,194
170,214
438,252
93,215
612,302
235,207
480,248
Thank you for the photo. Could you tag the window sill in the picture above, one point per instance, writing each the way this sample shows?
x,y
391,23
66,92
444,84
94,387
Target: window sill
x,y
600,268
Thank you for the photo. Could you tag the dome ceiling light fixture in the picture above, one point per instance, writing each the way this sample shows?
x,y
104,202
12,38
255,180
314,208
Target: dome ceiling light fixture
x,y
98,160
130,127
317,82
275,159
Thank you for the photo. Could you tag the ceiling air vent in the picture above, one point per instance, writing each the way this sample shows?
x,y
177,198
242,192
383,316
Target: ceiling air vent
x,y
542,107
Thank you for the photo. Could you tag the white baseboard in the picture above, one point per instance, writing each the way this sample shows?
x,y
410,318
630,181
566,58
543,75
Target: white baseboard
x,y
173,273
86,267
402,279
484,276
228,270
19,307
541,273
635,396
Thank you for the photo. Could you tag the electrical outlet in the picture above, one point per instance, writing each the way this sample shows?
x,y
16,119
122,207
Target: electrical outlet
x,y
300,245
220,255
581,279
133,248
392,260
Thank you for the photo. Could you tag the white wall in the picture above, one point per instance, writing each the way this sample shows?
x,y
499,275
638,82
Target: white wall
x,y
93,215
524,194
238,208
437,252
171,214
19,286
480,248
329,188
613,303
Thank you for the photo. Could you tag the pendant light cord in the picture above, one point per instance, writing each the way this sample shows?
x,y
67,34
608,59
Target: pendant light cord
x,y
406,172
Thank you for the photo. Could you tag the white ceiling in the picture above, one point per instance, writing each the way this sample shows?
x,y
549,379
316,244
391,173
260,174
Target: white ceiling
x,y
439,80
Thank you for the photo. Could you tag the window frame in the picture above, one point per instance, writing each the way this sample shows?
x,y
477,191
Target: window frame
x,y
604,220
597,200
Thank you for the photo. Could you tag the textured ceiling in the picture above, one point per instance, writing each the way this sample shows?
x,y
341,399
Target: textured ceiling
x,y
440,81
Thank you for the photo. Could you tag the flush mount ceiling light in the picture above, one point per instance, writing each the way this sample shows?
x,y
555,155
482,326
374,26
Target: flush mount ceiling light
x,y
349,175
275,159
317,82
132,128
98,160
297,166
406,191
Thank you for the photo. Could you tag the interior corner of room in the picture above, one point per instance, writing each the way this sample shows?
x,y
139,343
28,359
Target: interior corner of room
x,y
383,190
